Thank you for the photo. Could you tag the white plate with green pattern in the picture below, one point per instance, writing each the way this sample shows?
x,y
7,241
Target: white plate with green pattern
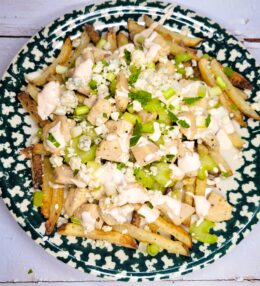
x,y
104,259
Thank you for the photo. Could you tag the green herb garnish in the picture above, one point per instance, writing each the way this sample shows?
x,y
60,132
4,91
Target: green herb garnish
x,y
127,56
120,166
135,72
52,139
191,100
92,84
183,123
207,120
137,133
228,71
141,95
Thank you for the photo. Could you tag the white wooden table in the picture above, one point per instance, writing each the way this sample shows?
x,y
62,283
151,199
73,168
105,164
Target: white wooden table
x,y
18,253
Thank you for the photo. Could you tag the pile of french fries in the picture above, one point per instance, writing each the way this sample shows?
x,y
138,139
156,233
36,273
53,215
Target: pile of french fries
x,y
179,240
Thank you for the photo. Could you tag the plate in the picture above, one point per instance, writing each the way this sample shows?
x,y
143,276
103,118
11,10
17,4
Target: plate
x,y
103,259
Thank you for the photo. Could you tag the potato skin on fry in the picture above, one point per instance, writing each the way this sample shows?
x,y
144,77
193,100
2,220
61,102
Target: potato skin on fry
x,y
31,106
114,237
37,170
240,81
92,33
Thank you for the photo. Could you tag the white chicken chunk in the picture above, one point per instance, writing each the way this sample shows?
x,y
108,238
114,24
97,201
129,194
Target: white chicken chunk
x,y
100,112
110,150
145,153
63,175
120,127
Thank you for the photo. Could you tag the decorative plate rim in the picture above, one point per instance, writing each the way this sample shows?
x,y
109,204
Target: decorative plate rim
x,y
108,273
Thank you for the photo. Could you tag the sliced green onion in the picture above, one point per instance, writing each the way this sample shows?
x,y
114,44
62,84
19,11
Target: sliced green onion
x,y
81,110
132,118
111,76
92,84
101,43
120,166
182,58
228,71
151,66
168,93
75,220
202,232
37,198
148,127
202,91
52,139
208,120
221,83
215,91
152,249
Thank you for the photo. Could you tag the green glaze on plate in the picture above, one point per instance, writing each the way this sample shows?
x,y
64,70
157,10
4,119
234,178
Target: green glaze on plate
x,y
104,259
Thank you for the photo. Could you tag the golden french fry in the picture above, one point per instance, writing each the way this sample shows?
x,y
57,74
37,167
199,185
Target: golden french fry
x,y
171,35
84,41
236,140
232,108
145,236
55,209
176,231
176,49
114,237
62,58
111,38
189,187
200,187
46,189
222,163
206,73
134,28
37,169
122,39
232,92
33,91
240,81
92,34
31,106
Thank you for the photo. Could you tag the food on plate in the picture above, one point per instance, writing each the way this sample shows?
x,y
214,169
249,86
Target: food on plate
x,y
132,126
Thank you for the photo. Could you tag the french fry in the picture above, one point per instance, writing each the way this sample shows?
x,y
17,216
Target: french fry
x,y
46,189
171,35
222,163
206,73
176,231
55,209
37,169
111,38
176,49
121,39
84,41
200,187
232,108
134,28
189,187
114,237
242,94
236,140
31,107
39,149
232,92
33,91
62,58
145,236
56,77
240,81
80,97
92,33
136,219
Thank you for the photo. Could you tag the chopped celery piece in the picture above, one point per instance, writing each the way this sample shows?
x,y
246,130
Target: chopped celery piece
x,y
160,141
130,108
148,127
37,198
91,133
202,232
215,91
207,162
177,194
93,165
81,110
202,175
206,56
112,87
155,105
111,76
228,71
75,220
140,40
152,249
132,118
101,43
221,83
182,58
163,176
85,156
144,178
168,93
151,65
202,91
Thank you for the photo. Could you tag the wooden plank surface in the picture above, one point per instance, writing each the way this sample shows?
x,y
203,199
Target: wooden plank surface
x,y
21,19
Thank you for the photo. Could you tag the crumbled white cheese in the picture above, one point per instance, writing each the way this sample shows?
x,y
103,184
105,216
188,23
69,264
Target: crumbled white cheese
x,y
75,163
56,161
115,115
137,106
149,214
84,143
